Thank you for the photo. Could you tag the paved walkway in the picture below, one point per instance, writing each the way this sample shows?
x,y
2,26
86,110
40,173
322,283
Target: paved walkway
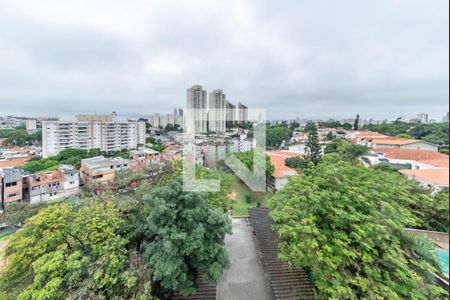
x,y
244,280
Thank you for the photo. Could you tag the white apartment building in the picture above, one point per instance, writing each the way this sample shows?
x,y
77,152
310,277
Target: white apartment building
x,y
242,113
103,132
231,112
31,125
217,105
422,118
196,116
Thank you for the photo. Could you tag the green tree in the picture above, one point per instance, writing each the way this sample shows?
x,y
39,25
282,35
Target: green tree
x,y
186,237
344,223
347,126
352,152
17,213
74,252
431,210
329,136
218,199
356,125
313,148
296,162
405,136
247,159
277,135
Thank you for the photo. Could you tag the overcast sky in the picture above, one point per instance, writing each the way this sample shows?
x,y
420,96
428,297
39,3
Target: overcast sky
x,y
295,58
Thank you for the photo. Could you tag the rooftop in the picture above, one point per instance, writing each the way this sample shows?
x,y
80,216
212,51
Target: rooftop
x,y
278,160
101,161
432,158
435,177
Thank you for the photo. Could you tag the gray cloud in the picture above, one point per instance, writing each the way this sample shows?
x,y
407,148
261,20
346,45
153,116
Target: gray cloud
x,y
295,58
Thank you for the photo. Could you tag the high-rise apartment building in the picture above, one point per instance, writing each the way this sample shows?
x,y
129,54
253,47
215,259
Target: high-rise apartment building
x,y
155,120
103,132
196,116
217,111
242,113
231,112
422,118
31,125
445,118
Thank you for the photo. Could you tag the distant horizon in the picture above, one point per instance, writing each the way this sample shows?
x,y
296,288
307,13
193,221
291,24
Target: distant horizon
x,y
146,116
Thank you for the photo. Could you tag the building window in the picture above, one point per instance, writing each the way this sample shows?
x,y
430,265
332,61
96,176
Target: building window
x,y
10,184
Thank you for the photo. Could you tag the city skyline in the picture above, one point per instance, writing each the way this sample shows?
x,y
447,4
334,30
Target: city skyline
x,y
349,58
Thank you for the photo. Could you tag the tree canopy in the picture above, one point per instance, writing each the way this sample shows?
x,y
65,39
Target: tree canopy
x,y
276,135
105,246
247,159
344,223
296,162
20,137
436,133
313,148
73,253
186,237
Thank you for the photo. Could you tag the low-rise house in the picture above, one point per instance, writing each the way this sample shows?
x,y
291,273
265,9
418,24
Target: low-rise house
x,y
46,186
14,157
146,158
282,172
172,153
434,178
395,142
71,180
10,186
429,168
411,158
101,170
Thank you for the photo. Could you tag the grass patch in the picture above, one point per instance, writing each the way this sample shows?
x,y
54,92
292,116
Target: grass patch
x,y
5,235
246,198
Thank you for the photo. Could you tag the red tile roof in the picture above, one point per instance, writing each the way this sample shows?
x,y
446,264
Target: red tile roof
x,y
278,159
366,135
438,177
391,141
14,162
432,158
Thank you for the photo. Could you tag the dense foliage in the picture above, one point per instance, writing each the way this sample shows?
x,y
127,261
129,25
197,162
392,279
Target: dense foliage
x,y
344,224
105,246
186,237
434,133
73,253
296,162
20,137
347,151
276,135
247,159
17,213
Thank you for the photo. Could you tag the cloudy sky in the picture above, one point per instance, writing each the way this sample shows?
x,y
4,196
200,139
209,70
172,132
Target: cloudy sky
x,y
295,58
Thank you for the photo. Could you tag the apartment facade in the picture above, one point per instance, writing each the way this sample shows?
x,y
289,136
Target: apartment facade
x,y
46,186
146,159
422,118
104,132
197,105
217,105
10,186
231,112
242,113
